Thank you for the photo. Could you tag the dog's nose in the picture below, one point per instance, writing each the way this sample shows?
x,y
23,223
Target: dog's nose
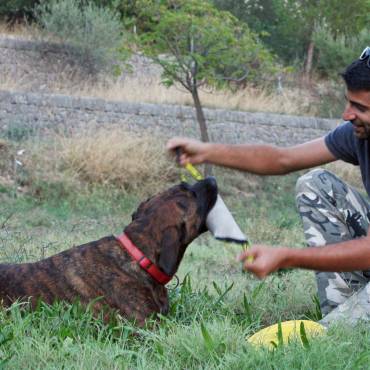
x,y
206,189
211,183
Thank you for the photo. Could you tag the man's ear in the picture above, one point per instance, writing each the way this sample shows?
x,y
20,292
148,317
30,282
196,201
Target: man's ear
x,y
169,254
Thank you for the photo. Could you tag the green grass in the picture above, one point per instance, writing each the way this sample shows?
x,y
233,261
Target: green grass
x,y
212,310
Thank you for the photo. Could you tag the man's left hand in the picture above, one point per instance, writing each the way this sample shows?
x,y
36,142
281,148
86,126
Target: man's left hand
x,y
262,260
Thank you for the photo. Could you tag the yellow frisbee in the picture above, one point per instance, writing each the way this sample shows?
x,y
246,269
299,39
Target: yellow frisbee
x,y
290,330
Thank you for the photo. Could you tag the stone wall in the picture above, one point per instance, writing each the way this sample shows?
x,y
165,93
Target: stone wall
x,y
34,67
40,110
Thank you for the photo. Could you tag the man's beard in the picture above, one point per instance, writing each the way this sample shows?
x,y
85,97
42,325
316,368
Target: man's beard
x,y
361,129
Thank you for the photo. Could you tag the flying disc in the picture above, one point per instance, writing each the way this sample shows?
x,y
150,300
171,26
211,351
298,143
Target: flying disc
x,y
290,330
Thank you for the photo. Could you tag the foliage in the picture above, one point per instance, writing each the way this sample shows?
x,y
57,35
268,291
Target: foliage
x,y
14,10
205,44
278,25
199,46
140,14
287,27
93,33
335,53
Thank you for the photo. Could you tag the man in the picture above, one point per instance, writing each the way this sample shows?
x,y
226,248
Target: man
x,y
335,216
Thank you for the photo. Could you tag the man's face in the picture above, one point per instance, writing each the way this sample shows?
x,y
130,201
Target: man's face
x,y
358,112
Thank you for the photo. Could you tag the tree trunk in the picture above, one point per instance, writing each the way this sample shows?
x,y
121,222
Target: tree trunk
x,y
308,66
202,125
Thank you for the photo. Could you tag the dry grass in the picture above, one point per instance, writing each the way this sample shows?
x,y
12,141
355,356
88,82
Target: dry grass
x,y
6,162
117,158
144,85
19,30
108,157
291,101
150,90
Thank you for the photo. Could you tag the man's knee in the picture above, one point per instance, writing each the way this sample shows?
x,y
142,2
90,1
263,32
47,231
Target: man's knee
x,y
356,308
310,181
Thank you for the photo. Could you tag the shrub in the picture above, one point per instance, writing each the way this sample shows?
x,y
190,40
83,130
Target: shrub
x,y
108,157
15,10
93,33
117,158
19,131
334,54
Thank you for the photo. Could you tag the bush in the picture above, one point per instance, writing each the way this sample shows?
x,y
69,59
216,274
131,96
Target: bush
x,y
93,33
334,54
93,158
116,158
14,10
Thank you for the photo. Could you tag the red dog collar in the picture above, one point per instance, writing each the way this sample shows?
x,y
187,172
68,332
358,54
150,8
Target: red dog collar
x,y
144,262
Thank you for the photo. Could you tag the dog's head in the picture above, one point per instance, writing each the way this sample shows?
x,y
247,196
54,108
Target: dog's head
x,y
164,225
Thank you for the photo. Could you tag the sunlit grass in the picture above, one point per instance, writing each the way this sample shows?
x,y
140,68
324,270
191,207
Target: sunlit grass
x,y
214,308
213,292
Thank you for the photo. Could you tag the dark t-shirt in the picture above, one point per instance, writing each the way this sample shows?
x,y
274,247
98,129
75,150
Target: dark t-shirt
x,y
344,145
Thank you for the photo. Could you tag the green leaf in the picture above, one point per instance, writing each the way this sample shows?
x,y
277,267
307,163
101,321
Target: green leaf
x,y
280,335
318,313
304,339
217,288
208,341
247,308
362,360
4,361
222,295
6,337
257,290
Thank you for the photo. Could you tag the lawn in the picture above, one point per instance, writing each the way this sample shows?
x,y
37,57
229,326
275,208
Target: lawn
x,y
51,202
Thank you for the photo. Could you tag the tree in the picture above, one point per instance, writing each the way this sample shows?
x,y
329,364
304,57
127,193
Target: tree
x,y
197,45
17,10
288,27
341,18
276,22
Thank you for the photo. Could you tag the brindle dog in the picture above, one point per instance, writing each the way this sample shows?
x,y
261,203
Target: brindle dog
x,y
162,228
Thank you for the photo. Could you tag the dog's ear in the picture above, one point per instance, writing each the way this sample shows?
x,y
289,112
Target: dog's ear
x,y
169,255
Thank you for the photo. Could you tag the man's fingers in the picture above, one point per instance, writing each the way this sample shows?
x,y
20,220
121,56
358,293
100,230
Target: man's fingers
x,y
251,259
247,255
175,142
183,159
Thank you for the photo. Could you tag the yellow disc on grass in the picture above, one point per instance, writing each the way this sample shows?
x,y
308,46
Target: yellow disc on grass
x,y
289,330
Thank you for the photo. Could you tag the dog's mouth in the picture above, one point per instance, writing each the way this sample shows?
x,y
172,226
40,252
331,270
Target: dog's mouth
x,y
205,192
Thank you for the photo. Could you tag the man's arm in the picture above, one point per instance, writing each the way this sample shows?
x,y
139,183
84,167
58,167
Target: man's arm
x,y
254,158
346,256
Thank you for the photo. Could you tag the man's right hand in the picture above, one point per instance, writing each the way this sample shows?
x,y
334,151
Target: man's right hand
x,y
192,151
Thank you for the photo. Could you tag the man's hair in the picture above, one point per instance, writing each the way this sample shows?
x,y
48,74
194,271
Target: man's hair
x,y
357,75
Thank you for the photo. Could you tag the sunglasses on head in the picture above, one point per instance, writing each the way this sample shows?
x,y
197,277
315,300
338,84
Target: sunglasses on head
x,y
366,55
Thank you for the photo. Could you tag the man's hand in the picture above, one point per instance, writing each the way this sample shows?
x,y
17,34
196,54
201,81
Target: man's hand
x,y
192,151
262,260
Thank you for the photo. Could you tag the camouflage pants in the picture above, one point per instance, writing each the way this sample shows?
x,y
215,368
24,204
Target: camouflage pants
x,y
333,212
